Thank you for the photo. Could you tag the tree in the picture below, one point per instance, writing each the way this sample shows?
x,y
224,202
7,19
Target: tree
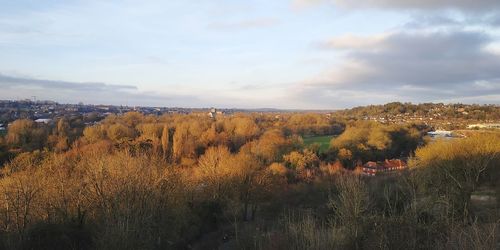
x,y
19,198
63,127
26,134
350,206
368,141
118,132
454,169
94,133
150,131
165,141
132,119
20,131
245,127
150,136
182,147
345,156
252,182
62,144
270,146
278,169
301,161
215,169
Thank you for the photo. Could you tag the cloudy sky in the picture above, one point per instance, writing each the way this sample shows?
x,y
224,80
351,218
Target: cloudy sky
x,y
308,54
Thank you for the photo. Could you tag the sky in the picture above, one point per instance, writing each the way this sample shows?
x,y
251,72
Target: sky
x,y
289,54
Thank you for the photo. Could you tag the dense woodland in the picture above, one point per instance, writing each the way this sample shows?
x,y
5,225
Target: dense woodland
x,y
244,181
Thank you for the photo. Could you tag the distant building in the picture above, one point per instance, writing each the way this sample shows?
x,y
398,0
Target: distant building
x,y
46,121
394,164
213,113
440,133
484,126
372,168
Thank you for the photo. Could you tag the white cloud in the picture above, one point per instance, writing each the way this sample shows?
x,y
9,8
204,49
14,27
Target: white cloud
x,y
355,42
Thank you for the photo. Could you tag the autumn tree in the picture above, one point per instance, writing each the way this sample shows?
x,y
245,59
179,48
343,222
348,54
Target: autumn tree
x,y
165,141
253,181
453,170
182,145
94,133
62,144
271,146
26,135
132,119
278,169
345,157
215,135
313,124
243,129
368,141
214,167
304,163
119,132
18,206
63,128
150,135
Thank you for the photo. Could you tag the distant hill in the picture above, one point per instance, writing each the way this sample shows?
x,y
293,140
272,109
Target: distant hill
x,y
437,110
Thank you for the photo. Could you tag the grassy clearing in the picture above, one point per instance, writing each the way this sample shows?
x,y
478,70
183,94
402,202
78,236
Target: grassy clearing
x,y
323,141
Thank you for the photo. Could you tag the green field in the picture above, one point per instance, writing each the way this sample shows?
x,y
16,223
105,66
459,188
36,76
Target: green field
x,y
323,141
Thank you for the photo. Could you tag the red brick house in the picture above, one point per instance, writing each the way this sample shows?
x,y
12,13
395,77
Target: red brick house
x,y
371,168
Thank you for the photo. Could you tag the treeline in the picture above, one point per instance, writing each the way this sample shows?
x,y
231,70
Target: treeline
x,y
462,111
246,181
25,135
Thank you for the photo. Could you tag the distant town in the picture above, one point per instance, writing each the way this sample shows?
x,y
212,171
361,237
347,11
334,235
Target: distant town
x,y
49,111
440,117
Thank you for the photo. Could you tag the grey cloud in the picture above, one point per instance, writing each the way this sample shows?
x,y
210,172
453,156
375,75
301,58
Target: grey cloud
x,y
11,81
411,66
424,21
422,58
443,20
464,5
326,97
95,93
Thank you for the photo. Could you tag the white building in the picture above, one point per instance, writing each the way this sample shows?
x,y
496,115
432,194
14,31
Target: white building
x,y
46,121
484,125
440,133
213,113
